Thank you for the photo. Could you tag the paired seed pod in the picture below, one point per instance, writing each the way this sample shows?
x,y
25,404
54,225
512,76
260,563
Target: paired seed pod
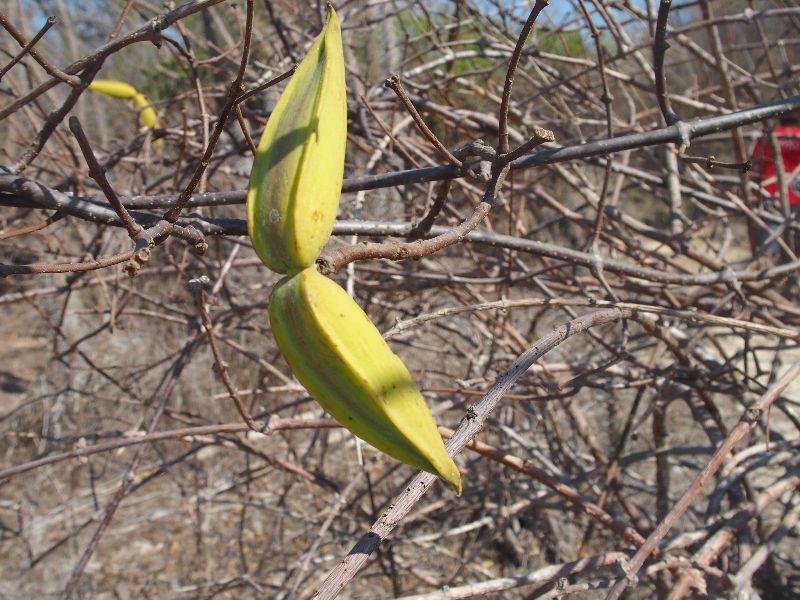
x,y
341,359
296,179
331,345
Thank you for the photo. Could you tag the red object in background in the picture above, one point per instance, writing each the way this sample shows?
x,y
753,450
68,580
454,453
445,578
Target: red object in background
x,y
789,142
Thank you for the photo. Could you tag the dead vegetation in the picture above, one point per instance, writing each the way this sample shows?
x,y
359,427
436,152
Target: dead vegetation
x,y
611,311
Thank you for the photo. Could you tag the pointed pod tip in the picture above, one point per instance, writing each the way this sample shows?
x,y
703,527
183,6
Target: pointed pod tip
x,y
452,476
331,16
331,13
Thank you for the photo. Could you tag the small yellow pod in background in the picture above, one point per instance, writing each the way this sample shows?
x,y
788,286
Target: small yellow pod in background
x,y
125,91
113,88
147,114
296,180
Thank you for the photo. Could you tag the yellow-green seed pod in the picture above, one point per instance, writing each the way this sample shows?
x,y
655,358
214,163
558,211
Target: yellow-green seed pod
x,y
113,88
296,178
344,363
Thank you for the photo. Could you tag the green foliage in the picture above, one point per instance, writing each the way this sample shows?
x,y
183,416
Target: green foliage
x,y
412,24
569,43
156,85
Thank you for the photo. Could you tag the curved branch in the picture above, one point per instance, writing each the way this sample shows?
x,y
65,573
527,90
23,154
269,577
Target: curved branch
x,y
89,265
502,120
660,47
331,262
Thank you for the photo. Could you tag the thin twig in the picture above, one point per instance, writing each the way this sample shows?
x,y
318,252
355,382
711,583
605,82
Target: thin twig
x,y
567,492
121,20
97,173
336,259
710,162
168,385
260,88
222,371
397,87
655,137
688,315
88,265
233,93
273,423
540,136
593,244
54,119
29,49
502,119
70,79
660,47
